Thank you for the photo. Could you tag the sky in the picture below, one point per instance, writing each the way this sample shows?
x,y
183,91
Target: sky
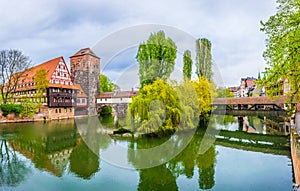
x,y
46,29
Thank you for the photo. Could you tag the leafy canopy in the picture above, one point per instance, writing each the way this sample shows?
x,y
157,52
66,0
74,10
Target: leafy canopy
x,y
105,84
161,108
187,64
156,58
282,52
156,109
204,58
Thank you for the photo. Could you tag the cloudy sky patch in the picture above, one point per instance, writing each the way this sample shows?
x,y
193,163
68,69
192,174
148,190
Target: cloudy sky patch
x,y
47,29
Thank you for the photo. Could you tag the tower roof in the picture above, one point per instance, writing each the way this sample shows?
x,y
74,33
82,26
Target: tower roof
x,y
84,51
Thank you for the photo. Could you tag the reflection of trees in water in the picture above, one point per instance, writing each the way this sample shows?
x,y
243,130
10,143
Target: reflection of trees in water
x,y
85,158
12,170
163,177
157,178
47,145
83,161
206,165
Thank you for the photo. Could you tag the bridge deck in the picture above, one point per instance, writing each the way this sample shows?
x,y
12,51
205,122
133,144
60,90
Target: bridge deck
x,y
248,101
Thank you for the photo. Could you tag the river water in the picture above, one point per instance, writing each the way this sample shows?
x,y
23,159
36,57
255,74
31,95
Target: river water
x,y
244,153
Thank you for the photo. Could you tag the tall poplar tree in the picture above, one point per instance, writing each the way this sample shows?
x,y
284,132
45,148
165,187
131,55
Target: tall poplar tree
x,y
156,58
187,64
204,58
282,52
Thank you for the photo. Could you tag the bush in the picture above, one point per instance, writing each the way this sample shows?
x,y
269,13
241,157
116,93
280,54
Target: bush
x,y
106,110
28,109
8,108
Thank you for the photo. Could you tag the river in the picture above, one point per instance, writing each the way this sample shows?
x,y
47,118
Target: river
x,y
241,153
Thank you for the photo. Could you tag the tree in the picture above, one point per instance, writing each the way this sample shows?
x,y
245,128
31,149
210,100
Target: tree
x,y
156,58
41,83
105,84
13,64
203,88
156,109
223,93
282,52
187,64
203,58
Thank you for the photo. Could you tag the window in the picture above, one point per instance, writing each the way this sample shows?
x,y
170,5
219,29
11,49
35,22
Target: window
x,y
78,100
83,100
65,110
70,110
59,110
56,110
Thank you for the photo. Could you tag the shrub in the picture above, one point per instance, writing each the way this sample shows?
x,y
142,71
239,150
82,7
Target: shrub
x,y
106,110
8,108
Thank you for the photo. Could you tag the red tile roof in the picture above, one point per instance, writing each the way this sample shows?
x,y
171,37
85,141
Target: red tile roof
x,y
29,74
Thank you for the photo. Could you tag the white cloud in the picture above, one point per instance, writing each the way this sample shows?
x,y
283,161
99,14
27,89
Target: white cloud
x,y
50,28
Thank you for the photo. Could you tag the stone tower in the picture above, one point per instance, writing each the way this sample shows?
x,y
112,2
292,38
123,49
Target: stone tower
x,y
85,70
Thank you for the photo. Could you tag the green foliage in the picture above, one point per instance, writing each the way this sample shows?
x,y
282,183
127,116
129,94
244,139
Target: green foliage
x,y
190,110
282,49
106,110
156,110
28,108
41,81
204,91
156,58
10,108
160,108
187,64
223,93
105,84
41,84
204,58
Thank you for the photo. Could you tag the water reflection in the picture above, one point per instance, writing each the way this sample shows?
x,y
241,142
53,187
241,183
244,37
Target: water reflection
x,y
62,149
183,164
84,162
12,170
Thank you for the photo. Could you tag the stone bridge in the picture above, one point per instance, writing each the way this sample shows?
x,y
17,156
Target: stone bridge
x,y
118,100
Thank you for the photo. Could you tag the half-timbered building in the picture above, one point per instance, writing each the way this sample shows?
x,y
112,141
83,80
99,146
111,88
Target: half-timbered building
x,y
59,99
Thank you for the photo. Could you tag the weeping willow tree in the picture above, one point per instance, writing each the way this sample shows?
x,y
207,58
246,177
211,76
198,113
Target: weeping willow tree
x,y
156,109
162,109
204,58
282,52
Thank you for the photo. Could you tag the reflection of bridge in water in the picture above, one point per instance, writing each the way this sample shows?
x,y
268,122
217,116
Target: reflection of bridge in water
x,y
265,143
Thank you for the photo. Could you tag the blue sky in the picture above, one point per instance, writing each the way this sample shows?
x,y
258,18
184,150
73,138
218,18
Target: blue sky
x,y
51,28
